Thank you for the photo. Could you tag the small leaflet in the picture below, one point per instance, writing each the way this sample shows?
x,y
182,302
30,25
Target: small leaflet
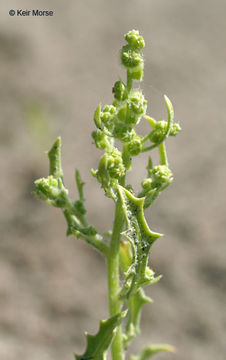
x,y
97,345
135,304
152,350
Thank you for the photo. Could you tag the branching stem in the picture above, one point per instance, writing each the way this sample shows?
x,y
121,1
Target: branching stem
x,y
117,122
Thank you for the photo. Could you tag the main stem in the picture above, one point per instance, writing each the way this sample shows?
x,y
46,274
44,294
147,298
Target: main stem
x,y
129,81
113,280
113,266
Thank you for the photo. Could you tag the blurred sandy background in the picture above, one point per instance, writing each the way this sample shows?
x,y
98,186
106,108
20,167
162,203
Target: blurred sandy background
x,y
53,73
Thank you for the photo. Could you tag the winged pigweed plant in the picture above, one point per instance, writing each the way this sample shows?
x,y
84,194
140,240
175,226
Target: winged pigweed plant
x,y
126,248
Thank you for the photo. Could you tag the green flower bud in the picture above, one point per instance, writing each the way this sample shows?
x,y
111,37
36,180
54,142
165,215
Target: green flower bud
x,y
111,166
146,184
159,132
47,188
115,165
123,132
109,109
136,107
119,91
161,176
175,129
138,104
135,40
108,120
51,189
110,170
161,125
107,116
102,141
130,58
135,146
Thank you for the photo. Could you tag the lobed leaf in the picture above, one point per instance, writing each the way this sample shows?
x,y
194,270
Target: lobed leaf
x,y
135,304
97,345
141,238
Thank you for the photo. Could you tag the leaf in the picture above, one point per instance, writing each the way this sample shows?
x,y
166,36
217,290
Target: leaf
x,y
141,238
170,114
150,166
96,116
151,196
54,155
135,304
150,351
80,183
153,123
98,344
150,120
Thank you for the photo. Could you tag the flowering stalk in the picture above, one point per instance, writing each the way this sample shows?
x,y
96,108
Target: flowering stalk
x,y
131,239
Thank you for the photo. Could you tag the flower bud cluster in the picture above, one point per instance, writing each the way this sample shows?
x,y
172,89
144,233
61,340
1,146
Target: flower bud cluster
x,y
160,177
131,56
102,140
51,189
135,146
119,90
133,108
110,170
114,163
160,130
117,121
107,116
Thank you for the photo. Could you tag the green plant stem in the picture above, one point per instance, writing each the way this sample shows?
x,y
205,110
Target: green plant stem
x,y
148,148
163,154
95,240
129,81
145,138
114,280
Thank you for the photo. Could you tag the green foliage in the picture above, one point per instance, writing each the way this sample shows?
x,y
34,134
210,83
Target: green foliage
x,y
97,345
135,304
131,239
152,350
141,239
